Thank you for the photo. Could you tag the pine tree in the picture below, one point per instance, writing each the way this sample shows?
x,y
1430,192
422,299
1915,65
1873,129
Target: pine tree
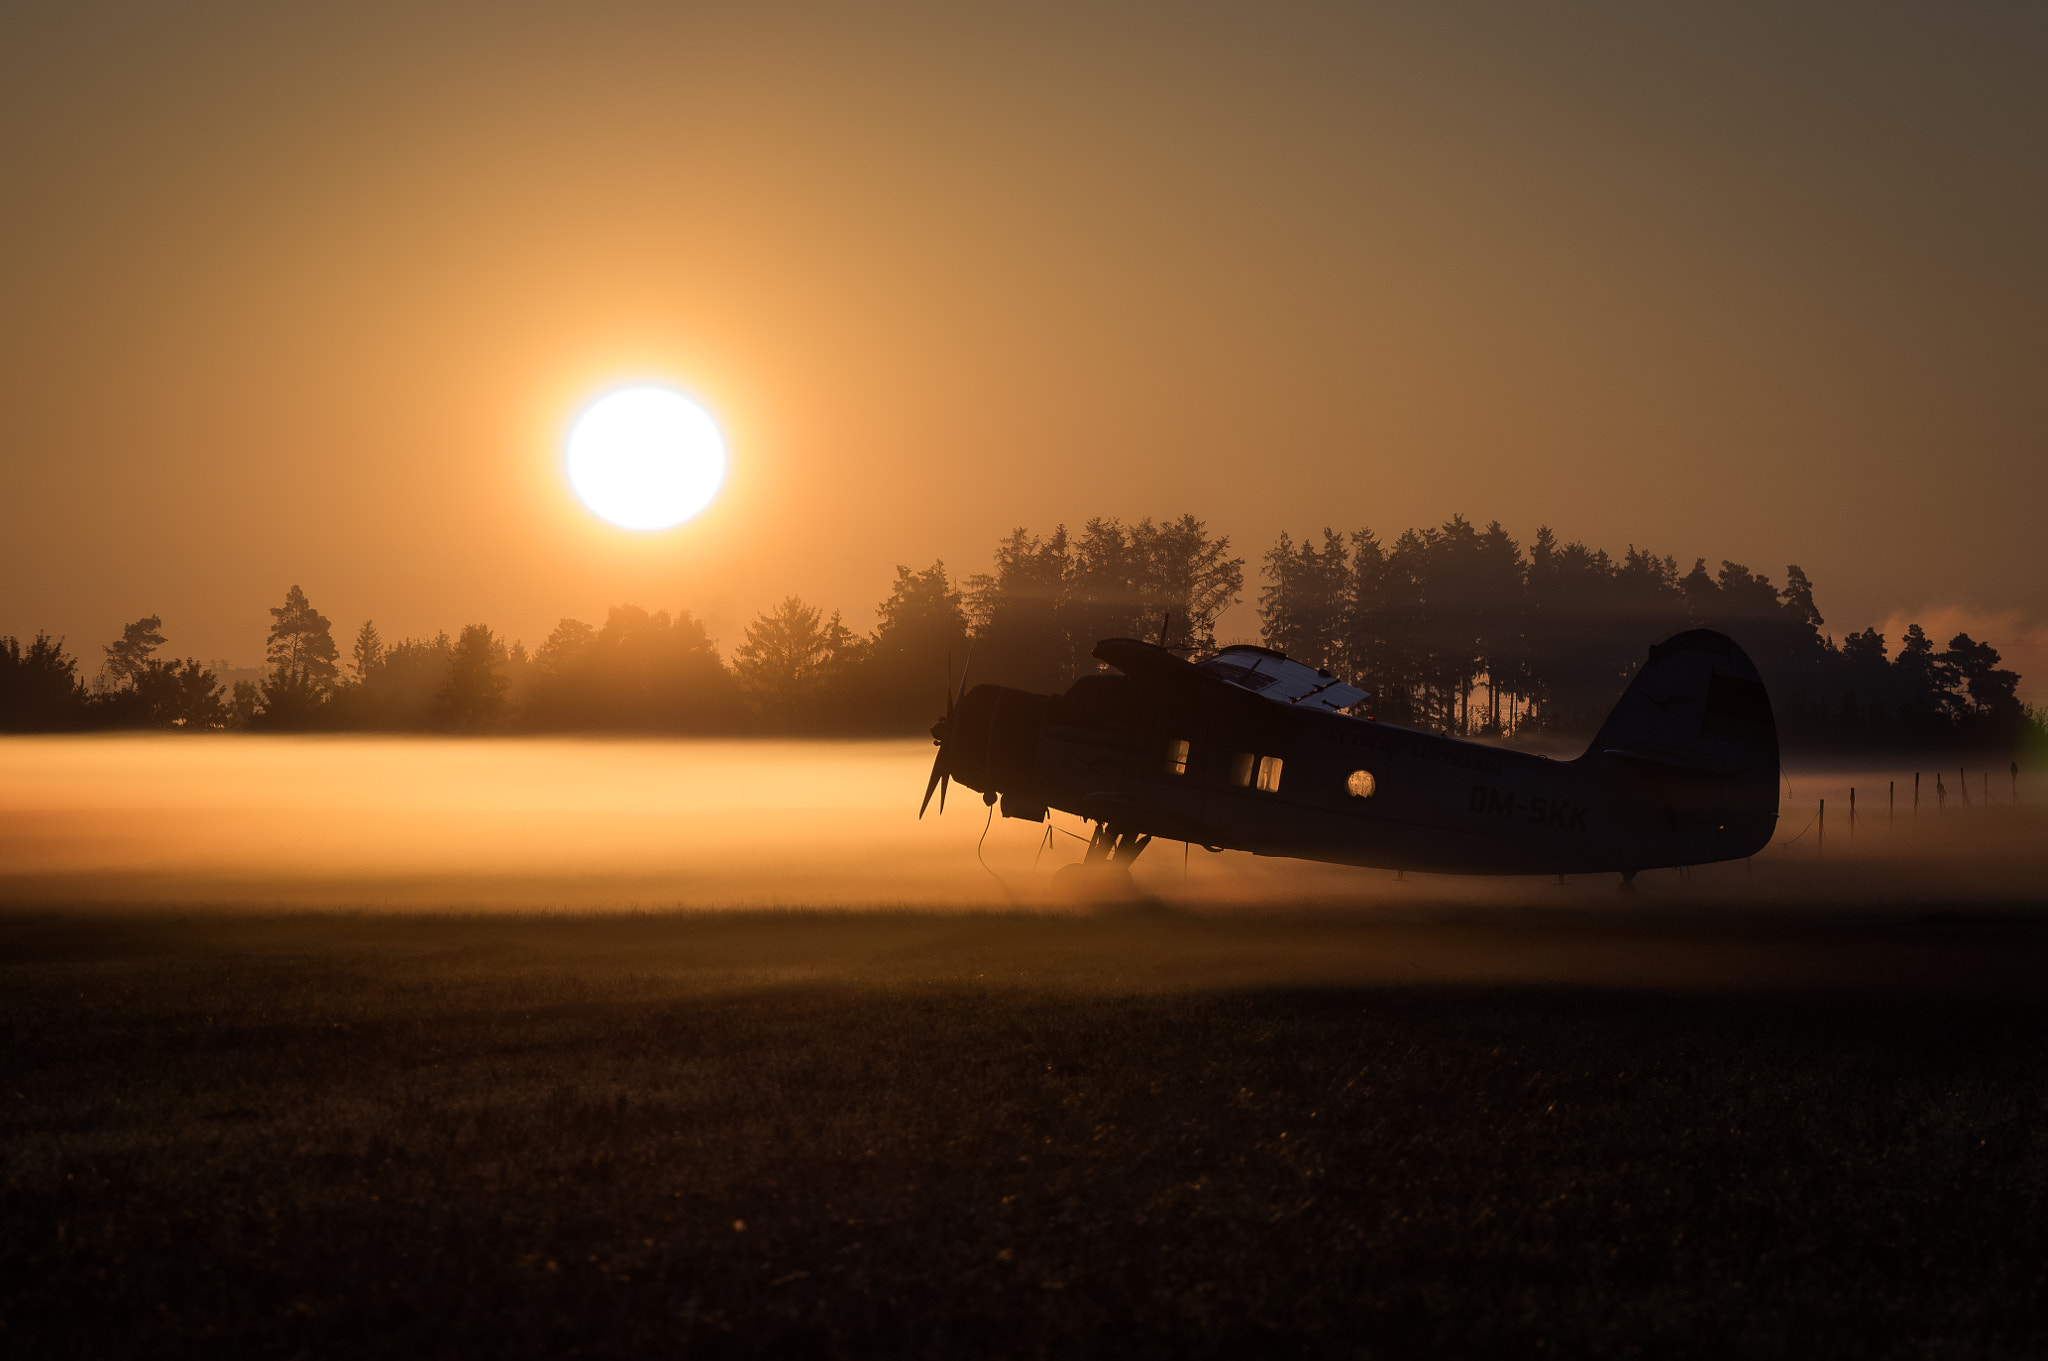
x,y
302,656
474,698
128,654
367,652
1304,607
792,655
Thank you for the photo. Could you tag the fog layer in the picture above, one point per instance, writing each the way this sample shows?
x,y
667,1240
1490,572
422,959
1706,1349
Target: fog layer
x,y
579,824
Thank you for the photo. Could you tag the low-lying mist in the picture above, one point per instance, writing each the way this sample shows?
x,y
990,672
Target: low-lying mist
x,y
582,824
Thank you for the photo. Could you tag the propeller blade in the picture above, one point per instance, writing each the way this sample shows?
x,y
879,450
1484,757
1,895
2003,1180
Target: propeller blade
x,y
937,779
942,778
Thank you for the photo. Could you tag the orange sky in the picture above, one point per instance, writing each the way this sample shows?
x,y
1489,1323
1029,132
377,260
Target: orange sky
x,y
309,298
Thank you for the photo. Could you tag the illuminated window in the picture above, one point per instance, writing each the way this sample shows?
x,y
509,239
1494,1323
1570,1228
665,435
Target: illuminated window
x,y
1176,757
1241,767
1361,784
1269,774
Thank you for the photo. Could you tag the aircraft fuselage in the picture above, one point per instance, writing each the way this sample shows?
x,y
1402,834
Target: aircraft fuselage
x,y
1278,780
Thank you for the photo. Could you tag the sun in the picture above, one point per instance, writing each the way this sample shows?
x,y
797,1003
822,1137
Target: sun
x,y
645,457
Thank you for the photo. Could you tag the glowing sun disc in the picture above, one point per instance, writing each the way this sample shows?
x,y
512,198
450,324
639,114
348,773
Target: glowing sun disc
x,y
645,457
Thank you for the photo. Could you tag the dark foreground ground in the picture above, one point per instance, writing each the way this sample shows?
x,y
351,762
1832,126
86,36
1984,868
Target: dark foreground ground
x,y
1109,1136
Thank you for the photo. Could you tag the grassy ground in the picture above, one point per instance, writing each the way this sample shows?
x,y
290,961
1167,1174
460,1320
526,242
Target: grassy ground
x,y
1130,1135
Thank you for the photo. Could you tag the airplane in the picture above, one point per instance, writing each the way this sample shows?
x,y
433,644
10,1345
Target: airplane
x,y
1248,750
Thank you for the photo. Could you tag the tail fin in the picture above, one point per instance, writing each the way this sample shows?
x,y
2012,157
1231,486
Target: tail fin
x,y
1698,721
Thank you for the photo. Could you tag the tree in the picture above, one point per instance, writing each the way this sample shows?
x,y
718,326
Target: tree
x,y
791,659
1185,579
39,686
1305,606
473,700
183,694
1104,596
639,672
367,652
1016,613
301,654
1993,693
243,706
920,639
128,654
1379,651
137,689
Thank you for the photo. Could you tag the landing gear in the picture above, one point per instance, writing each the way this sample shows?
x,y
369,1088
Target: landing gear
x,y
1113,847
1104,874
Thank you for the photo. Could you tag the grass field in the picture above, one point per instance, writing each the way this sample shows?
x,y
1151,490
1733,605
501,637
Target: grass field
x,y
1580,1132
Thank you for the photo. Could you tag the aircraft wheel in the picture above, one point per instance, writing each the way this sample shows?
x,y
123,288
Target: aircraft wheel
x,y
1096,882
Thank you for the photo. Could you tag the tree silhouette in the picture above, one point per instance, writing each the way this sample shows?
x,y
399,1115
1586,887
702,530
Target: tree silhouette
x,y
1186,578
1037,617
641,671
1017,613
367,651
139,690
243,705
1992,692
301,654
1449,613
789,663
39,686
173,694
473,700
128,654
1305,607
917,629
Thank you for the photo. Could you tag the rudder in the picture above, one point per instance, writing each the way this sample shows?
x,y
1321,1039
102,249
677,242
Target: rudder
x,y
1694,731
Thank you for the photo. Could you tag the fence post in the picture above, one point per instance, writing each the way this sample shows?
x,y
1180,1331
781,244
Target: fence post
x,y
1891,803
1852,810
1820,839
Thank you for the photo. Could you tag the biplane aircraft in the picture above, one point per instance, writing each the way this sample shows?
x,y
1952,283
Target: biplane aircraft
x,y
1247,750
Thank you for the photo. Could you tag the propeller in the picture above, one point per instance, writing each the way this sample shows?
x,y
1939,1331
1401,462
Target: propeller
x,y
942,776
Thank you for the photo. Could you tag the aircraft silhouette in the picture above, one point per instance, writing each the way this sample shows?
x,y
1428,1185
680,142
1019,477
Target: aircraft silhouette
x,y
1246,750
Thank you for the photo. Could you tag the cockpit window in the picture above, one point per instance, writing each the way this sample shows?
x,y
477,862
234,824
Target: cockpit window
x,y
1177,757
1242,767
1269,774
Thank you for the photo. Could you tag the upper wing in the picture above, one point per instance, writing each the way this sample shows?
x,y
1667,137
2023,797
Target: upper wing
x,y
1237,676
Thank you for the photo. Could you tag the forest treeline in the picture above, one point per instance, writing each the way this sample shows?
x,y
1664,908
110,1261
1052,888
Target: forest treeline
x,y
1453,628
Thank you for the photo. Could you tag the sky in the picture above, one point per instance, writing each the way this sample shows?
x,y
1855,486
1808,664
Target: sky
x,y
308,294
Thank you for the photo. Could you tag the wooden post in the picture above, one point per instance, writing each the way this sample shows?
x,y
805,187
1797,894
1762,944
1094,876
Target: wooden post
x,y
1891,803
1820,840
1916,793
1852,810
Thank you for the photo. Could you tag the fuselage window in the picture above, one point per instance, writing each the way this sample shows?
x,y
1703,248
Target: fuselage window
x,y
1269,774
1361,784
1242,766
1176,757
